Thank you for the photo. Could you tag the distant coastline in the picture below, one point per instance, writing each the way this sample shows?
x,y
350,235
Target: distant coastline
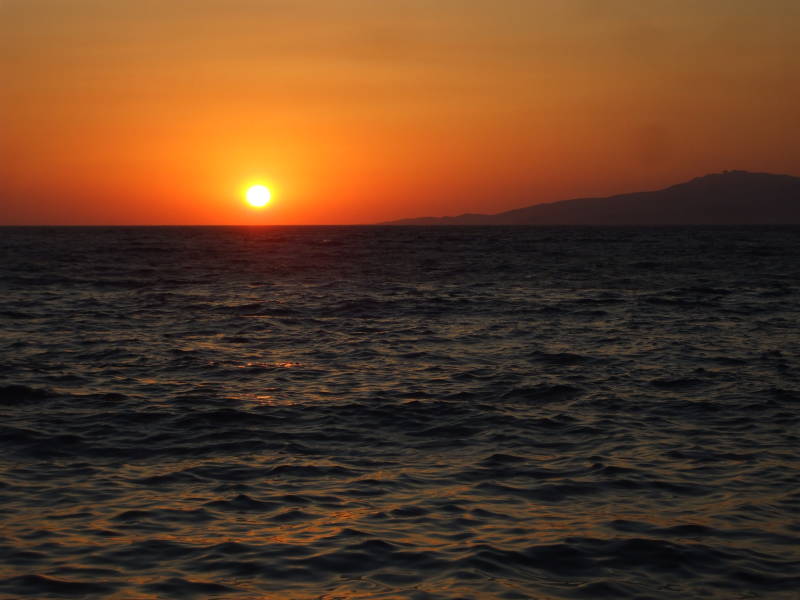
x,y
727,198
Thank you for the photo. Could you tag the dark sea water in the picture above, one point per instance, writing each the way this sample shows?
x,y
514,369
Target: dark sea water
x,y
422,413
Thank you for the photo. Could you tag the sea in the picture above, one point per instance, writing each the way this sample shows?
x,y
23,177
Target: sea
x,y
422,413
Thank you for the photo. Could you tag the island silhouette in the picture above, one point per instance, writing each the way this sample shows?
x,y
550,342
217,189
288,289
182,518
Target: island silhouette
x,y
727,198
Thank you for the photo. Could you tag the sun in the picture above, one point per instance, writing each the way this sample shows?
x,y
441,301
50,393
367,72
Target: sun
x,y
258,196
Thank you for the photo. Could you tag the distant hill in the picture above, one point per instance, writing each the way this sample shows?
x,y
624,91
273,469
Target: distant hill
x,y
727,198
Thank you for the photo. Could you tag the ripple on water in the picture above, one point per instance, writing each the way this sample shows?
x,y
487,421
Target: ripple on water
x,y
415,413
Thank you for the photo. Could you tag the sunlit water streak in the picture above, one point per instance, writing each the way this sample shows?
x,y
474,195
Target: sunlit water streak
x,y
399,413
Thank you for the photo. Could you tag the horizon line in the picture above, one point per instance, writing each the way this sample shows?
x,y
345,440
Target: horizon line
x,y
429,225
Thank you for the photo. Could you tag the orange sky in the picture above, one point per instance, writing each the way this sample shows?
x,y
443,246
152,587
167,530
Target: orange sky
x,y
357,111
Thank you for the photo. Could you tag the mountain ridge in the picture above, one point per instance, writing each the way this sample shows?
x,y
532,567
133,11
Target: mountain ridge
x,y
727,198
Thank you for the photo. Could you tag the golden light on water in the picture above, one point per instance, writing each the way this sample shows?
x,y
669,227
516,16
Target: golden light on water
x,y
258,196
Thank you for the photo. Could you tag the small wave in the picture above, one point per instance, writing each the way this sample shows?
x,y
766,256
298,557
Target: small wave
x,y
36,585
243,502
177,587
15,395
544,393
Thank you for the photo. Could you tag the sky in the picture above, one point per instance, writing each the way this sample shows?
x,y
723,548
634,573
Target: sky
x,y
361,111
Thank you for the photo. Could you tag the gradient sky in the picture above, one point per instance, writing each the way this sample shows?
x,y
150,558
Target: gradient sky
x,y
357,111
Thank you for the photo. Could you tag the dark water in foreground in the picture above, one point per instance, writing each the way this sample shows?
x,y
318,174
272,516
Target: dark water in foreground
x,y
338,413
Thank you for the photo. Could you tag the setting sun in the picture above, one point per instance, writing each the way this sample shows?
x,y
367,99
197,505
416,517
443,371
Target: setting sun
x,y
258,196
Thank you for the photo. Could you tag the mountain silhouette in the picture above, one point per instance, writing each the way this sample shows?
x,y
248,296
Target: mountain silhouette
x,y
727,198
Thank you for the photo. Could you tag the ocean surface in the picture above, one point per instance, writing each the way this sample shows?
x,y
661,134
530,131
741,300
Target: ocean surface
x,y
423,413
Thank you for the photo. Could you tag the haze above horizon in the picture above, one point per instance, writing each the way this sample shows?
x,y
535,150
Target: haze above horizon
x,y
153,112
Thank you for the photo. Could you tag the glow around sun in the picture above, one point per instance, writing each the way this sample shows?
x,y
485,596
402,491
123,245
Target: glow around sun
x,y
258,196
